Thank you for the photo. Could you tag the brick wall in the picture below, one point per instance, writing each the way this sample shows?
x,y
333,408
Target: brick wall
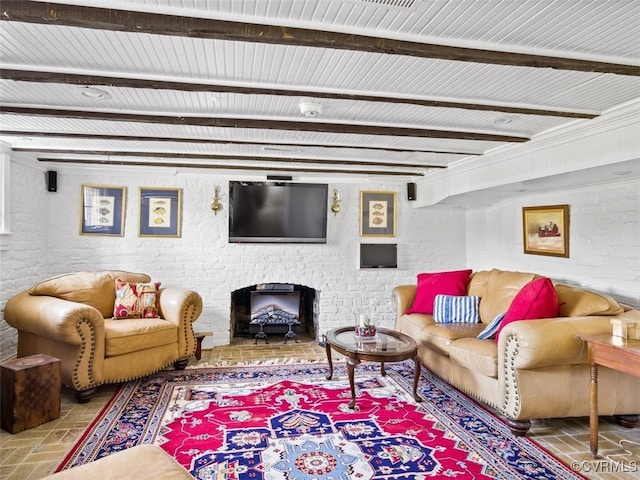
x,y
604,238
605,241
47,241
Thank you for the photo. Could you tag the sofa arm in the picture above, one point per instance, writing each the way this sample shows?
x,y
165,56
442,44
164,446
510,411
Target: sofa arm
x,y
181,307
548,342
403,296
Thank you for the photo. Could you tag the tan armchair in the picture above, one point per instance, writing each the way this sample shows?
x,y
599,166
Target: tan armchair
x,y
70,317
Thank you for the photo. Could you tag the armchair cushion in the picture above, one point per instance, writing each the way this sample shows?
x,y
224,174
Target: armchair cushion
x,y
133,335
90,288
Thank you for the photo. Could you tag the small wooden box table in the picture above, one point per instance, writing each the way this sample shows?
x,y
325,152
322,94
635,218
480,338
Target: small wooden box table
x,y
387,346
612,352
30,390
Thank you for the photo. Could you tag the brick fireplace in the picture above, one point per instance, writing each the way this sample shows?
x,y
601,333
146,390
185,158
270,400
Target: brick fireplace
x,y
291,299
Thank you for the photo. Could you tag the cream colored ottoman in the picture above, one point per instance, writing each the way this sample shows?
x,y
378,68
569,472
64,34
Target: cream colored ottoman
x,y
142,461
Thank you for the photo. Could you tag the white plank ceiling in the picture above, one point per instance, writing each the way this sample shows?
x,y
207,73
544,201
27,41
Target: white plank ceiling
x,y
402,86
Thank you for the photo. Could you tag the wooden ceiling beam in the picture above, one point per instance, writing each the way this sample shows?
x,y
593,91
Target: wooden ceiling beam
x,y
241,158
122,163
204,28
119,82
275,145
223,122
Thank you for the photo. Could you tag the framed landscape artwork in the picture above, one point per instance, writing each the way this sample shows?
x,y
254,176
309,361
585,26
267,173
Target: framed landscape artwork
x,y
102,211
160,212
545,230
377,214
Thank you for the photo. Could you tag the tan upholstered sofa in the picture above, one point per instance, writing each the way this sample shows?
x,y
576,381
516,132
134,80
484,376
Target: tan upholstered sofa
x,y
537,368
70,317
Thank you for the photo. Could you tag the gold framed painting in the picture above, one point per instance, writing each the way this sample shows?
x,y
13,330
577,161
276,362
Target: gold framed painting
x,y
377,214
102,211
545,230
160,212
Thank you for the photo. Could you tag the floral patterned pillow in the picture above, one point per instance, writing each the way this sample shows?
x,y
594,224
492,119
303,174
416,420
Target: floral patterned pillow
x,y
136,300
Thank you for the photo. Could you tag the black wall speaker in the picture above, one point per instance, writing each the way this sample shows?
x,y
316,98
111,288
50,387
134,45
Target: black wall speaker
x,y
52,181
280,178
411,191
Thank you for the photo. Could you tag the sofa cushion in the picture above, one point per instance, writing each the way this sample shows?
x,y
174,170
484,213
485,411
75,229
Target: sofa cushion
x,y
456,309
431,284
136,300
438,337
132,335
502,287
478,283
537,299
477,355
577,302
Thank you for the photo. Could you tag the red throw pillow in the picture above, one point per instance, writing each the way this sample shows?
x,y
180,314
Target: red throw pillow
x,y
442,283
537,299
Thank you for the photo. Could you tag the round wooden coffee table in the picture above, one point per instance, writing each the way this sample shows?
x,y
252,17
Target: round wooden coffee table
x,y
388,346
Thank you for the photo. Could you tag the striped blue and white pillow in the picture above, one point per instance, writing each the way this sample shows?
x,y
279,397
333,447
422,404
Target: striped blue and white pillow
x,y
456,309
491,329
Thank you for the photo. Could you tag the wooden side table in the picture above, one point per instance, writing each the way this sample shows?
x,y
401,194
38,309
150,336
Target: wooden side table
x,y
199,338
612,352
30,390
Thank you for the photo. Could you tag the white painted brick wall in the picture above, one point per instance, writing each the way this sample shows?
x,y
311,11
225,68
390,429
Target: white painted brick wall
x,y
22,265
604,239
605,246
48,242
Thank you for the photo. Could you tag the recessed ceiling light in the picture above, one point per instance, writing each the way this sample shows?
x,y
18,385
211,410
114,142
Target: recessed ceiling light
x,y
505,119
623,172
93,92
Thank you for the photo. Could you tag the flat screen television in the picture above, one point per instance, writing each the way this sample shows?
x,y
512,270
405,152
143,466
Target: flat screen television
x,y
378,255
269,212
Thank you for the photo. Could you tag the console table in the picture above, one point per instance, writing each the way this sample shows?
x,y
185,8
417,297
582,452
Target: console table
x,y
612,352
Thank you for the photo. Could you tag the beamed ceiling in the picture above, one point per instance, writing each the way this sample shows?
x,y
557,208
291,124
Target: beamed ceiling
x,y
398,87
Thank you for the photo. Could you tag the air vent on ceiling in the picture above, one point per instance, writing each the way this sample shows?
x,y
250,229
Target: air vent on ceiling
x,y
392,3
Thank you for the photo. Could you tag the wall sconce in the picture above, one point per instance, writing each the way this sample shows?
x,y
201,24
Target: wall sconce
x,y
335,206
216,206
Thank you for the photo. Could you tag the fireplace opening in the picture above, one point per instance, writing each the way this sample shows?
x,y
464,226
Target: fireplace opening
x,y
281,310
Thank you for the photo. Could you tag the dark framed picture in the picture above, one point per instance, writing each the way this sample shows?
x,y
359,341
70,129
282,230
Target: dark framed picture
x,y
377,214
160,212
102,211
545,230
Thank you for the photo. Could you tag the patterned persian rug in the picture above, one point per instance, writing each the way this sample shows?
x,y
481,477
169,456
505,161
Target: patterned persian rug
x,y
287,422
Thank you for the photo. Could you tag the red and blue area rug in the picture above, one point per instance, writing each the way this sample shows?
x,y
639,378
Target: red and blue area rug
x,y
287,422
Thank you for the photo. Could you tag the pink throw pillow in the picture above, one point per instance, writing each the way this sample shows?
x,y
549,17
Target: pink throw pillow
x,y
442,283
537,299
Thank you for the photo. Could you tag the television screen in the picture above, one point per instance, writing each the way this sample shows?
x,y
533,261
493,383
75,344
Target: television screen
x,y
378,255
263,212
